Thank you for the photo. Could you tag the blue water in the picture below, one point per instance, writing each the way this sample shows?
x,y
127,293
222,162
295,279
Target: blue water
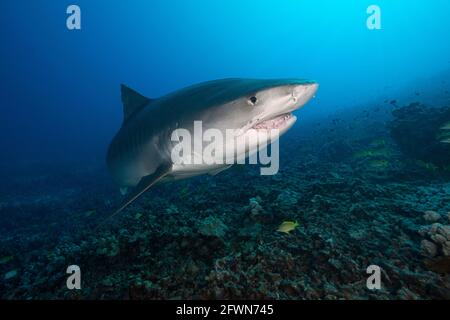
x,y
60,88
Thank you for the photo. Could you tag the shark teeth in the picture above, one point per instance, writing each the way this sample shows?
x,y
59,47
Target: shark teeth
x,y
274,123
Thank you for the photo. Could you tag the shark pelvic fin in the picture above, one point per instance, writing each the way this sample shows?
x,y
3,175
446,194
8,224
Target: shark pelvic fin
x,y
132,101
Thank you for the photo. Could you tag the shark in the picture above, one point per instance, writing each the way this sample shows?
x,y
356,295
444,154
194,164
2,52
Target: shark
x,y
140,154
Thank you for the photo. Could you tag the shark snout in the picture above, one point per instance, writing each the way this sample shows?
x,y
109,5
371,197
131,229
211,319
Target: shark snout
x,y
304,92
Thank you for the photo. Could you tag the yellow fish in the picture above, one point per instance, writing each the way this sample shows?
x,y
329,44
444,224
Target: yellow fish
x,y
287,226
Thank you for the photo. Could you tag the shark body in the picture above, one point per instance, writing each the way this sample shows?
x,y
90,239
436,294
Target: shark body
x,y
139,156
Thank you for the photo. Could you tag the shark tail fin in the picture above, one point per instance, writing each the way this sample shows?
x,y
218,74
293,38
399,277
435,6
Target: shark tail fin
x,y
132,101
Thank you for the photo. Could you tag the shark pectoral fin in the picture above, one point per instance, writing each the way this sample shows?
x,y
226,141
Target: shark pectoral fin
x,y
217,171
146,183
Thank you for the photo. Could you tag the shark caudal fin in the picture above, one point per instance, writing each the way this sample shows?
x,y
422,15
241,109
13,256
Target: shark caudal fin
x,y
132,101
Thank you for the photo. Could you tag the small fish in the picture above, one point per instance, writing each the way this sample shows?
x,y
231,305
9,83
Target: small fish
x,y
287,226
11,274
379,164
90,213
363,154
427,165
378,142
335,175
138,216
372,153
6,259
445,140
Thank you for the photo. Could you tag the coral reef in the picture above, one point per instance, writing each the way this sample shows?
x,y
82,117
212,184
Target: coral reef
x,y
216,237
212,227
415,128
437,240
436,245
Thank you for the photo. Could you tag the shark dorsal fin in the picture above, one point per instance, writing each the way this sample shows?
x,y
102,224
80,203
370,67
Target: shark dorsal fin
x,y
132,101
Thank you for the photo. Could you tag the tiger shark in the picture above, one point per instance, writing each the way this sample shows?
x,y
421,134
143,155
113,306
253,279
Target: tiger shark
x,y
140,154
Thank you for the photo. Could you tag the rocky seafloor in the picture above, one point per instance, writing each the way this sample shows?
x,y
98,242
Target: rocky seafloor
x,y
358,199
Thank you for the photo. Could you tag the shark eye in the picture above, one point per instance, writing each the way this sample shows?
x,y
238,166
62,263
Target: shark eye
x,y
252,100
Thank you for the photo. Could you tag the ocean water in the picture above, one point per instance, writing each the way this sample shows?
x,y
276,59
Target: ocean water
x,y
364,173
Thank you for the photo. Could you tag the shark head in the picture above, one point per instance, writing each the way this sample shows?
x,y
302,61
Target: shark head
x,y
251,105
252,109
270,106
242,104
266,108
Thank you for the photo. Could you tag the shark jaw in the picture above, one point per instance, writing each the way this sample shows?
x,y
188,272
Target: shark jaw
x,y
279,122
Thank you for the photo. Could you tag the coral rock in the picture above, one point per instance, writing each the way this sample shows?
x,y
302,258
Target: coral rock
x,y
255,207
446,248
442,230
287,199
429,249
431,216
437,238
212,226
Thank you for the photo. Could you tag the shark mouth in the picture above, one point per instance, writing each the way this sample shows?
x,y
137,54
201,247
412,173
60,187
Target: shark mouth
x,y
278,122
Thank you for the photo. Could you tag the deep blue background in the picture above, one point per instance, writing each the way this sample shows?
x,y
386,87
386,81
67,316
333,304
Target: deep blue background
x,y
59,91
